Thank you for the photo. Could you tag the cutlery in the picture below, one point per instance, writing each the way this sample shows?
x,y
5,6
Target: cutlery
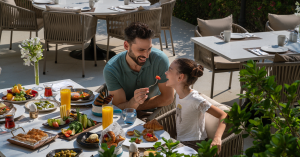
x,y
253,50
154,83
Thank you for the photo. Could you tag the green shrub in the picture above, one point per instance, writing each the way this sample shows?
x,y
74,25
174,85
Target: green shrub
x,y
256,14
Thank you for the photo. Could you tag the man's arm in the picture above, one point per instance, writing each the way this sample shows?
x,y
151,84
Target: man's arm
x,y
140,95
164,99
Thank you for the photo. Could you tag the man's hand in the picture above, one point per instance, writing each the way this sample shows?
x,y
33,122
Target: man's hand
x,y
140,95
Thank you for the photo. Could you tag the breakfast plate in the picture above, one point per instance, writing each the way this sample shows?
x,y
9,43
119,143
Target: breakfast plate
x,y
274,49
47,108
145,144
81,139
77,103
20,110
3,94
238,36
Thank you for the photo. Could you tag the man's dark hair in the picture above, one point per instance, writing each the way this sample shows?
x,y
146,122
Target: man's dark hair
x,y
137,30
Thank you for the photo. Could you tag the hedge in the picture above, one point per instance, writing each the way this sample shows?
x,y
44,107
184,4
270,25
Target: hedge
x,y
256,14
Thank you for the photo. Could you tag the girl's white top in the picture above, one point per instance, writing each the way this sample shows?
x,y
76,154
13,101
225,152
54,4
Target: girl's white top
x,y
190,120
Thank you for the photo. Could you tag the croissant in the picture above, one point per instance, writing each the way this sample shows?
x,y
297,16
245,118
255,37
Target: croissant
x,y
119,139
153,124
101,99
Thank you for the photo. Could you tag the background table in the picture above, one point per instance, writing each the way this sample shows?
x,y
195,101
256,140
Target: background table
x,y
101,8
234,51
11,150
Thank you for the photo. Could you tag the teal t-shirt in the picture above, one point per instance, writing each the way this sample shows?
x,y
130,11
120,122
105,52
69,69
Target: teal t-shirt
x,y
117,73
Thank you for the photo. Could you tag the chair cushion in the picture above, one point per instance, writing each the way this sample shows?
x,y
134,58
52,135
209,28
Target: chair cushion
x,y
11,2
222,63
211,122
50,8
40,22
286,58
214,27
283,22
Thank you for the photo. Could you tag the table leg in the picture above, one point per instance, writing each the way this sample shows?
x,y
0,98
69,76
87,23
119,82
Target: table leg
x,y
89,53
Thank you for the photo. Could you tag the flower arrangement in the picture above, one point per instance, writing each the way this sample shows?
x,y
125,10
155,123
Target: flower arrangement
x,y
297,9
32,52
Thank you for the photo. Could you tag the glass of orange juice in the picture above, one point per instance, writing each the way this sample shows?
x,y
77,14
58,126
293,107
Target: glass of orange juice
x,y
65,98
107,115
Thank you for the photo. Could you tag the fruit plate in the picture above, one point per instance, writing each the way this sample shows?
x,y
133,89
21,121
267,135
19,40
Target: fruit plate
x,y
17,102
62,136
76,103
82,137
52,153
43,110
145,144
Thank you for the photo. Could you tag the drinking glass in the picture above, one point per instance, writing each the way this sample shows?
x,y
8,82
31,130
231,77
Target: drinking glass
x,y
107,115
65,98
129,115
9,121
48,89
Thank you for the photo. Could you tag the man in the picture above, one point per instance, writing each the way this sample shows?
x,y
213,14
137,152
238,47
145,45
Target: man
x,y
129,74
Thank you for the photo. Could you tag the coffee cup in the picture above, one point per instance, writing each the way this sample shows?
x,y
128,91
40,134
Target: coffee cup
x,y
282,40
226,35
92,3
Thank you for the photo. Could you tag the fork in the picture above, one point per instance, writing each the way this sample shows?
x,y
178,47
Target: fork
x,y
154,83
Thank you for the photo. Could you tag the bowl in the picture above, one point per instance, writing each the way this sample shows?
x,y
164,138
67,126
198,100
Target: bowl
x,y
52,153
82,137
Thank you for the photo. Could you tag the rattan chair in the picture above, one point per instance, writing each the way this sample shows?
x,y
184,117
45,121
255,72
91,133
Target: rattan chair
x,y
158,112
210,60
23,17
166,20
231,145
71,28
116,24
285,73
268,28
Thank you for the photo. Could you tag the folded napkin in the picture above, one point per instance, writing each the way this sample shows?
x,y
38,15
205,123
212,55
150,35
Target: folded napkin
x,y
56,87
116,9
185,150
141,2
249,35
51,8
258,52
156,5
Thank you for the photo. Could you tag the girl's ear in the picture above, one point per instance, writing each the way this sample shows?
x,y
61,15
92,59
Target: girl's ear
x,y
181,77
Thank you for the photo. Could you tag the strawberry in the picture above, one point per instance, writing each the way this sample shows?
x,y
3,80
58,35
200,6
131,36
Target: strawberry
x,y
149,135
157,77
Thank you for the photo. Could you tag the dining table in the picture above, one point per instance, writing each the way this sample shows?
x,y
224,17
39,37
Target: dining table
x,y
237,50
102,8
10,150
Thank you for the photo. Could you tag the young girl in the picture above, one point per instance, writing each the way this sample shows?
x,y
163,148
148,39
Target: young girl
x,y
190,106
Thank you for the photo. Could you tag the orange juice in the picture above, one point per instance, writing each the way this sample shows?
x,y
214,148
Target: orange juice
x,y
65,97
107,115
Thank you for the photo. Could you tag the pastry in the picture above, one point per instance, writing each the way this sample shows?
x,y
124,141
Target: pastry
x,y
153,124
111,143
112,136
93,138
130,133
119,138
101,99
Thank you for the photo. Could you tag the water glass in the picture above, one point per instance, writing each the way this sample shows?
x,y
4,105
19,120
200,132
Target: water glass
x,y
129,115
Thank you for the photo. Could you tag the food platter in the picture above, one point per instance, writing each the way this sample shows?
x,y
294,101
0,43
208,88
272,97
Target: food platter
x,y
145,144
52,153
20,110
81,139
43,110
57,98
17,102
85,99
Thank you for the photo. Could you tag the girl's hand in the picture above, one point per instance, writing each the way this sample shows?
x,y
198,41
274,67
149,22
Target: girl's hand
x,y
216,142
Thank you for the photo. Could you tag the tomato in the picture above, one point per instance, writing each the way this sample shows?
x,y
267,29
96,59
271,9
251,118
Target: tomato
x,y
55,124
33,92
95,122
67,135
69,132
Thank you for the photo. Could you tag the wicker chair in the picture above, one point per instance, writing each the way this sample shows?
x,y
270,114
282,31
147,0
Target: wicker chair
x,y
23,17
231,145
158,112
116,24
72,28
166,20
285,73
209,60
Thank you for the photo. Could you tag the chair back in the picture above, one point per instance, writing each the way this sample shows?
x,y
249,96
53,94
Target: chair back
x,y
116,24
285,73
167,11
67,27
16,17
268,27
168,121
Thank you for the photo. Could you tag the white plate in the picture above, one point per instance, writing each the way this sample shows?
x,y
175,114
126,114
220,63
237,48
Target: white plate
x,y
82,8
238,36
145,144
42,1
127,7
274,49
20,111
44,110
57,98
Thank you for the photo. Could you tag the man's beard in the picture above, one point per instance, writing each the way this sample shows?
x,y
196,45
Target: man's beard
x,y
135,59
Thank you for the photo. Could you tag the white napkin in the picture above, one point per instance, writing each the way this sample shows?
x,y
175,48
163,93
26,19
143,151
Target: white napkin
x,y
32,108
258,52
185,150
141,2
156,5
116,9
56,87
249,35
